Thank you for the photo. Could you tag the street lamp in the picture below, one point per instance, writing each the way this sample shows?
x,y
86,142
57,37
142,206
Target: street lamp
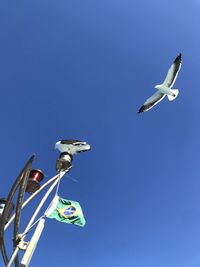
x,y
29,181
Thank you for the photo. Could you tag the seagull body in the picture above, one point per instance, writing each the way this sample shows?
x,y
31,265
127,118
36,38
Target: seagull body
x,y
165,88
68,148
72,146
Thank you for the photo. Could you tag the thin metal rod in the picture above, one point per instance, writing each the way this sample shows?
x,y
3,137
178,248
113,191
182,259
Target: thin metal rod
x,y
31,197
7,207
23,235
41,204
14,255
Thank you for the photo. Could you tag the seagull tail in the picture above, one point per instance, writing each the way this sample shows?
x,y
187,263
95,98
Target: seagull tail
x,y
175,93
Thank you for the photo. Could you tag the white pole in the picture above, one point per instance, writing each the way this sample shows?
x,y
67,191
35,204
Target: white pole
x,y
32,245
14,255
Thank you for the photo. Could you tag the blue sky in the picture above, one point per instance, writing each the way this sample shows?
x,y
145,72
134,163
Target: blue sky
x,y
81,69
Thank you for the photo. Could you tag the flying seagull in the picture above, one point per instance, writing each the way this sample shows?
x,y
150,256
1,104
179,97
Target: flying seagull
x,y
165,88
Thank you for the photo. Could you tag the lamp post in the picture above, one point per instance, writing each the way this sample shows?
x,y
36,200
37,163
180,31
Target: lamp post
x,y
29,181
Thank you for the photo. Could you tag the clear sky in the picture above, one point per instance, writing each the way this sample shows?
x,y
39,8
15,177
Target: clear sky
x,y
81,69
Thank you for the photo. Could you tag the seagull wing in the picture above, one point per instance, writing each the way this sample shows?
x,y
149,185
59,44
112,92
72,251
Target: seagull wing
x,y
173,72
152,101
69,142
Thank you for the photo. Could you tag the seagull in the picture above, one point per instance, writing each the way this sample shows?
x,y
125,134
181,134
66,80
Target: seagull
x,y
165,88
72,146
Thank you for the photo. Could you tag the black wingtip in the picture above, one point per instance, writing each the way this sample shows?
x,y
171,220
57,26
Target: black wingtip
x,y
179,57
141,110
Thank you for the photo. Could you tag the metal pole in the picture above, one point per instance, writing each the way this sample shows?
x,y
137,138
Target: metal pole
x,y
33,243
23,235
18,211
30,198
9,200
14,255
42,203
